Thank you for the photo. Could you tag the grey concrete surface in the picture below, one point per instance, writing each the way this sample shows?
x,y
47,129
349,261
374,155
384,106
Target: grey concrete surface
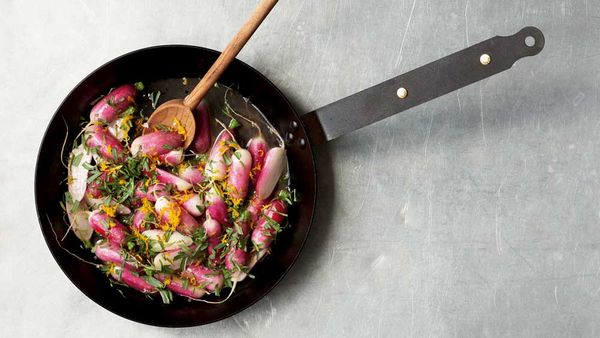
x,y
473,215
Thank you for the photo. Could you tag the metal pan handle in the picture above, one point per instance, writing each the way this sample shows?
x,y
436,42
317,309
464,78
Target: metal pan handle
x,y
421,85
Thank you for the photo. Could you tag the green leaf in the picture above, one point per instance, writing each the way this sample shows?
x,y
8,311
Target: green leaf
x,y
166,295
94,176
77,160
88,166
139,86
233,123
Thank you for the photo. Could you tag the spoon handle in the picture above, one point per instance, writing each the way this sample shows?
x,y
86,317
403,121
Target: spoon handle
x,y
230,52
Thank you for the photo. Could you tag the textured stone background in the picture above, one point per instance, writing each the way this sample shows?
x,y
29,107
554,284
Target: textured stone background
x,y
473,215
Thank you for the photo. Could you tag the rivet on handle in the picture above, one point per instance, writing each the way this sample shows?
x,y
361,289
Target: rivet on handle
x,y
485,59
402,92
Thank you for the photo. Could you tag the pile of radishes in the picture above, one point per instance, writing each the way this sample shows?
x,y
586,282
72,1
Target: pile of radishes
x,y
165,219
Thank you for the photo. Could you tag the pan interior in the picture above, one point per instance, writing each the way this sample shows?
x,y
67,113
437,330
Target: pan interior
x,y
170,64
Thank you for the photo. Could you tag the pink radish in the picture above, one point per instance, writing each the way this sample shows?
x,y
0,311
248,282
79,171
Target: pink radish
x,y
212,228
153,192
179,286
255,207
139,219
109,107
275,162
78,173
192,174
188,223
131,279
202,140
107,145
156,143
264,233
174,215
216,168
172,158
216,207
214,254
242,224
107,252
257,146
168,178
211,280
239,174
108,227
236,259
194,205
94,188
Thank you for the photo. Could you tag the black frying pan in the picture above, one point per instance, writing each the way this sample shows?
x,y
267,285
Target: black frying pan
x,y
302,133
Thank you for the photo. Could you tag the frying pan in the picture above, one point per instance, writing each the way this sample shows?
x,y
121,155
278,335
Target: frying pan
x,y
302,134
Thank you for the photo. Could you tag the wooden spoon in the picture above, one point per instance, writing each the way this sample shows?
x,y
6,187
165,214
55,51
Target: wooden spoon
x,y
181,110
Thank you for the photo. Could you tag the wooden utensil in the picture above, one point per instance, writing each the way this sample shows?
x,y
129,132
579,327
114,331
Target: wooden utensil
x,y
181,110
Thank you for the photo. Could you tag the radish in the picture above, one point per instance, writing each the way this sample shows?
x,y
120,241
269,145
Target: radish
x,y
179,286
188,223
172,158
275,162
95,203
78,173
239,174
109,107
79,223
168,178
212,228
156,143
192,174
242,224
255,207
139,219
153,192
236,259
108,227
216,207
172,214
202,141
194,205
168,258
110,253
118,128
268,224
211,280
216,168
107,145
93,189
133,280
257,146
159,241
214,254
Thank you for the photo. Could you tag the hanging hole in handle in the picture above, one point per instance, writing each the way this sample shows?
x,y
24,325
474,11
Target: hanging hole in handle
x,y
529,41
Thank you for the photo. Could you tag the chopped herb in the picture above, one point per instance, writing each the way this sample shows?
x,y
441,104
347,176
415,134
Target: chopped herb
x,y
154,96
233,123
166,295
77,160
